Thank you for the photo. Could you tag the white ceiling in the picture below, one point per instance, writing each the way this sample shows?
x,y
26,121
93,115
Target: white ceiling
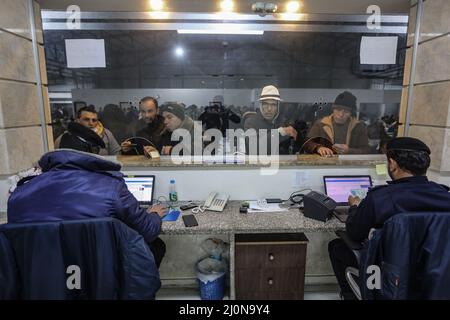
x,y
243,6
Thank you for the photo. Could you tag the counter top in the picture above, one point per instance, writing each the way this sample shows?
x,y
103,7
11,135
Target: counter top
x,y
282,161
231,221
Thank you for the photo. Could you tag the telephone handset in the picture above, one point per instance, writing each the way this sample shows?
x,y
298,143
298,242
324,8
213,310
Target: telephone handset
x,y
216,202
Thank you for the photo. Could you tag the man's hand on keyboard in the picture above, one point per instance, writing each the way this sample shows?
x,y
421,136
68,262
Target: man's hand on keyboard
x,y
159,209
354,201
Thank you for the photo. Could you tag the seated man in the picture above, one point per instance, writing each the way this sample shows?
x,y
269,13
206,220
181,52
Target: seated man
x,y
410,191
88,117
76,185
348,135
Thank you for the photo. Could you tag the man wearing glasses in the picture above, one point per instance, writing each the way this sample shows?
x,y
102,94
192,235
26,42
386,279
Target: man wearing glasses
x,y
347,134
87,117
266,118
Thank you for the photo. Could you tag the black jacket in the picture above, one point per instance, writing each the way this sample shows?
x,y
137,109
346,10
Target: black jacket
x,y
413,194
155,133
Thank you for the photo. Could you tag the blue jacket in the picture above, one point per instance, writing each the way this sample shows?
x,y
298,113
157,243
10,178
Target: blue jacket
x,y
413,194
38,259
412,251
76,185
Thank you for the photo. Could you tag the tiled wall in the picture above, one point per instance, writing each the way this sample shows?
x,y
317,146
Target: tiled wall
x,y
21,141
430,111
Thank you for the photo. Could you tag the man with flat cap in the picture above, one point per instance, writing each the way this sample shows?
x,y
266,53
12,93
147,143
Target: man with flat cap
x,y
409,191
347,134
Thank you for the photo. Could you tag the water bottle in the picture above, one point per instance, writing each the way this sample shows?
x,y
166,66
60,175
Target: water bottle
x,y
173,196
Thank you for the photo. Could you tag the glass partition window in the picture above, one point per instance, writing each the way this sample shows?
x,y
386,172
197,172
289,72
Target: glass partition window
x,y
204,81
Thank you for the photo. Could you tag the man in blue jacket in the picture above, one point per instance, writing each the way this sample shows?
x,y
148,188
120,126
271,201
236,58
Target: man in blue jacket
x,y
77,185
409,191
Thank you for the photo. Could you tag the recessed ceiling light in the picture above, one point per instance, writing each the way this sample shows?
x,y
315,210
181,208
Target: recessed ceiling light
x,y
179,51
227,5
292,6
156,5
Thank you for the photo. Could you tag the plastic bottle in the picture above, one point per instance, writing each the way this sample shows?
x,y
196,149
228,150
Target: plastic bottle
x,y
173,196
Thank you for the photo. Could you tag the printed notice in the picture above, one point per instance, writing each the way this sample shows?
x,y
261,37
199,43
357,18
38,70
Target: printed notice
x,y
85,53
378,50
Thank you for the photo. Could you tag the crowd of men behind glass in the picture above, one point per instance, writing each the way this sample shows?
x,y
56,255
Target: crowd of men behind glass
x,y
334,129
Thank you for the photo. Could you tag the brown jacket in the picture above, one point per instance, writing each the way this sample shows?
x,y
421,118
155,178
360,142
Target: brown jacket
x,y
357,138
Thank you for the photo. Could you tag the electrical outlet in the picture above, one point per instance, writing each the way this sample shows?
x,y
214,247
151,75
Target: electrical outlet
x,y
300,179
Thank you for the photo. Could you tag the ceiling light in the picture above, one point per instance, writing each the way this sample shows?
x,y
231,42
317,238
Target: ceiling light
x,y
292,6
179,51
227,5
221,31
156,5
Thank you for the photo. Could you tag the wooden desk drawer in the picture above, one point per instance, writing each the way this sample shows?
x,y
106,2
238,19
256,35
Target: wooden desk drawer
x,y
270,256
270,280
282,280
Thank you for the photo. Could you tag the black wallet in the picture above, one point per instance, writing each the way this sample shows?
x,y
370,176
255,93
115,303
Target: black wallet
x,y
190,220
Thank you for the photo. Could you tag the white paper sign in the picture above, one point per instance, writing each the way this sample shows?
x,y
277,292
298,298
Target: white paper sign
x,y
378,50
85,53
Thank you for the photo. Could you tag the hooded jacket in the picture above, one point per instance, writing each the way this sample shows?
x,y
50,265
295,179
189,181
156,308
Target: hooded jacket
x,y
76,185
257,121
108,143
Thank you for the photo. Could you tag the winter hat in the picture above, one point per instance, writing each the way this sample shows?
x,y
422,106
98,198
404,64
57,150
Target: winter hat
x,y
174,108
345,100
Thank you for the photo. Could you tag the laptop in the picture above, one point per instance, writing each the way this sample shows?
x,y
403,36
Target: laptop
x,y
142,187
339,188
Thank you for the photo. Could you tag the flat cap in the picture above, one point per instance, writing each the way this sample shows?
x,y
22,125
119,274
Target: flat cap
x,y
408,144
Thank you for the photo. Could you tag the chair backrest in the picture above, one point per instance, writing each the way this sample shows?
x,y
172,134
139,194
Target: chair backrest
x,y
412,251
80,259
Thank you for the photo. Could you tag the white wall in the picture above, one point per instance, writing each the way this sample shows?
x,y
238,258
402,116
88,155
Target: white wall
x,y
200,97
237,97
245,184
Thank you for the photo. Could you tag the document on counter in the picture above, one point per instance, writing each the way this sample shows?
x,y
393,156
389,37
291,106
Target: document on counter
x,y
255,207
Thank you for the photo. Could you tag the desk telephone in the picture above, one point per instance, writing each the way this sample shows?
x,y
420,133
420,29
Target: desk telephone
x,y
216,202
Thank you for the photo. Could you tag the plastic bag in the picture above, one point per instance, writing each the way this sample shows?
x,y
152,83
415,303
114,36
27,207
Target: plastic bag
x,y
210,269
215,248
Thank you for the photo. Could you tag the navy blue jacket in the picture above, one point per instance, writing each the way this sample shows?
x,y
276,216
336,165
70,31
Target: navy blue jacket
x,y
413,194
113,261
76,185
412,251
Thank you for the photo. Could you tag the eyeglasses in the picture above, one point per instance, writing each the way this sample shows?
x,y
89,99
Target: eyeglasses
x,y
269,105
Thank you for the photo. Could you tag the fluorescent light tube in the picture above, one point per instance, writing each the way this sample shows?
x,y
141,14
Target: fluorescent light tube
x,y
220,31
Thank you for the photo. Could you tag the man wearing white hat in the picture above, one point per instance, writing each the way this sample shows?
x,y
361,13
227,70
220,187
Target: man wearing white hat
x,y
266,116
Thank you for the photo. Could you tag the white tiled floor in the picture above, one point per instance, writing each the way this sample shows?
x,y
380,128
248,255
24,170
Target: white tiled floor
x,y
193,294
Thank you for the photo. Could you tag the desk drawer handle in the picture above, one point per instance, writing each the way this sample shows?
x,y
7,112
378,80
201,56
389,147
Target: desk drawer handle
x,y
270,281
271,257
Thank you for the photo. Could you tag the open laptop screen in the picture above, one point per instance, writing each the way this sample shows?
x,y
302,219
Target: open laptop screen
x,y
142,188
339,188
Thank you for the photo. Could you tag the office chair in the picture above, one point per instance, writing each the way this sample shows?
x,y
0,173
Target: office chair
x,y
412,251
94,259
